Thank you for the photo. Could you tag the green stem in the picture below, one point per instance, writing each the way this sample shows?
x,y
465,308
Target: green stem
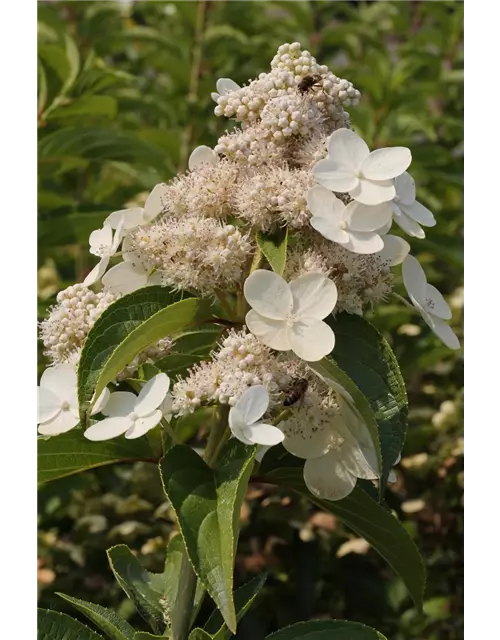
x,y
405,302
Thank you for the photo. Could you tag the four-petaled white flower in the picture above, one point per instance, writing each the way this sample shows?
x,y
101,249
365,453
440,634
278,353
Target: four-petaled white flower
x,y
202,155
131,274
350,168
58,400
245,416
354,226
290,316
130,414
131,218
408,213
103,243
224,85
429,302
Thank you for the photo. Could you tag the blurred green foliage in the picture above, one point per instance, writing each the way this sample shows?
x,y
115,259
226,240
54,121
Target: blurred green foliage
x,y
124,96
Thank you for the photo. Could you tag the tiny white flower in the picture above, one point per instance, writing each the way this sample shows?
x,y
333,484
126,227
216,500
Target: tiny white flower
x,y
409,214
131,218
103,243
290,316
58,400
405,210
354,226
130,414
224,86
350,168
429,302
131,274
202,155
245,416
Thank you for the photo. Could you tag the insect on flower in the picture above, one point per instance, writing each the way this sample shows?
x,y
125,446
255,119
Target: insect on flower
x,y
296,392
308,82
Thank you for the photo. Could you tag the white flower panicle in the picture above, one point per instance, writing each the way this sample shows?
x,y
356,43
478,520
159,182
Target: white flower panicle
x,y
70,320
195,253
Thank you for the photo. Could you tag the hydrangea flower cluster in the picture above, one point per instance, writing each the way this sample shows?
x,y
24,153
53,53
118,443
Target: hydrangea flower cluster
x,y
292,161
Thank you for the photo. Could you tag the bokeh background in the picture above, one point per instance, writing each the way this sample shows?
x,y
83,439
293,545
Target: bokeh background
x,y
124,96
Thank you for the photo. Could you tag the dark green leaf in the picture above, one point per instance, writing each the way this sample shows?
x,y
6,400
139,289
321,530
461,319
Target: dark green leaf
x,y
327,630
364,354
244,597
53,625
71,452
207,505
139,585
107,620
273,246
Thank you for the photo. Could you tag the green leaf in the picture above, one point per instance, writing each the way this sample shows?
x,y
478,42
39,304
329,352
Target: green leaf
x,y
199,634
73,58
144,635
327,630
364,515
127,327
103,106
198,342
364,354
53,625
177,364
71,452
139,585
332,374
107,620
207,506
173,564
244,597
273,246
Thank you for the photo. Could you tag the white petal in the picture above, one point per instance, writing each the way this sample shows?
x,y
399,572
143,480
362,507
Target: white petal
x,y
385,229
327,477
261,433
97,272
347,149
332,177
369,192
155,278
117,238
61,380
409,226
143,425
100,239
311,339
225,85
152,394
436,305
392,477
238,433
363,217
107,428
384,164
251,406
101,401
125,277
329,229
444,332
215,96
364,243
307,440
395,250
414,279
272,333
156,202
61,423
120,404
356,462
49,405
314,296
405,188
419,213
261,452
200,156
268,294
131,218
322,202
